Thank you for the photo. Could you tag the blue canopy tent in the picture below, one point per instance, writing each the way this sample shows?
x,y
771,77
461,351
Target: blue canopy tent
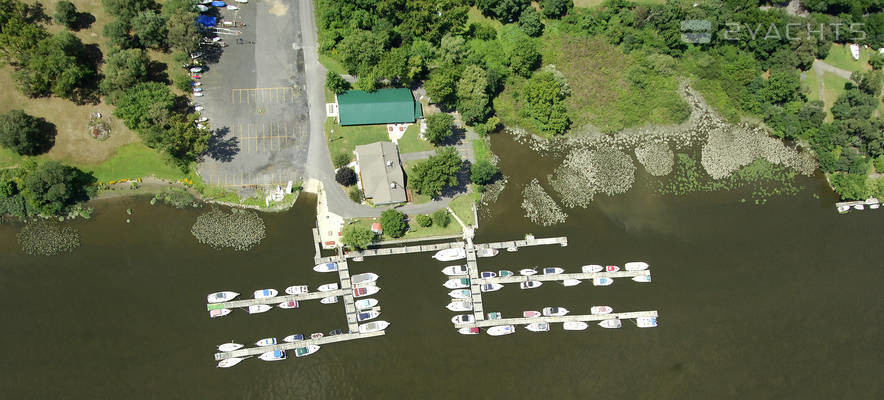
x,y
219,3
207,21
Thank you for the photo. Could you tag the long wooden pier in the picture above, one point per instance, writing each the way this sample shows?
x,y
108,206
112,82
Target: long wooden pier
x,y
349,302
561,277
254,351
278,299
585,318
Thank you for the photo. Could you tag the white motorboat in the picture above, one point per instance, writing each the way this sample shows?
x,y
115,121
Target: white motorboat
x,y
527,272
504,273
858,207
455,270
458,283
501,330
491,287
843,209
552,271
196,69
571,282
592,269
646,322
219,312
229,347
306,350
365,291
198,94
288,304
316,335
229,362
636,266
460,306
456,253
363,278
642,278
296,289
365,304
327,267
460,294
599,310
495,315
874,206
538,327
328,287
221,297
259,308
554,311
367,315
611,268
487,274
293,338
199,108
265,293
468,330
266,342
274,355
373,326
575,325
462,319
197,89
530,284
241,1
486,252
512,249
602,281
610,323
329,300
531,314
232,7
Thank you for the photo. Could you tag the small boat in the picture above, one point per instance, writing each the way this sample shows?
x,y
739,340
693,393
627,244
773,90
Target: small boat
x,y
266,342
602,281
538,327
874,206
363,278
611,268
450,254
454,270
232,7
316,335
328,287
554,311
365,291
610,323
266,293
221,297
491,287
468,331
259,308
197,89
636,266
359,258
195,76
293,338
196,69
219,312
530,314
592,269
599,310
552,271
504,273
373,326
288,304
229,347
530,284
199,108
327,267
461,293
335,332
365,304
486,252
458,283
229,362
462,319
646,322
858,207
501,330
274,355
527,272
365,316
843,209
329,300
487,274
642,278
571,282
198,94
495,315
512,249
306,350
297,289
460,306
575,325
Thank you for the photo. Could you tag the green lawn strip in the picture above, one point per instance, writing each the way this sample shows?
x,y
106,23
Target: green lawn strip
x,y
812,83
839,56
417,198
346,138
463,206
9,158
332,64
833,86
482,150
415,231
411,141
475,16
134,160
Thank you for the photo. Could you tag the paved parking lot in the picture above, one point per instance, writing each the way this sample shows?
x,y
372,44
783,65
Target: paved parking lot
x,y
253,97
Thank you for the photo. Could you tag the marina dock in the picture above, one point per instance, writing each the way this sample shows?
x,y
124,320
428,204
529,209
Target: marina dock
x,y
585,318
245,303
255,351
349,302
560,277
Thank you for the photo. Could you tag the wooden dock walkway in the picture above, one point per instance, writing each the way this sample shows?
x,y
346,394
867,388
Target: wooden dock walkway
x,y
349,301
475,288
585,318
278,299
255,351
561,277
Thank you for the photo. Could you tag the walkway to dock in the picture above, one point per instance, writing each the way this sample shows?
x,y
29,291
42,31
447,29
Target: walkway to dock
x,y
585,318
254,351
349,302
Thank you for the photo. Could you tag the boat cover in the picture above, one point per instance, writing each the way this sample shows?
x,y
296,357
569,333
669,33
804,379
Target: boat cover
x,y
207,21
219,3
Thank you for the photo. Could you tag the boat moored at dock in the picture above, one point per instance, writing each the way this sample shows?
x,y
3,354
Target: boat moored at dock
x,y
306,350
504,273
456,270
527,272
316,335
611,268
293,338
468,330
646,322
457,283
460,294
538,327
266,342
530,284
367,315
554,311
575,325
452,254
329,300
275,355
229,362
463,319
229,347
266,293
373,326
220,297
326,267
460,306
487,274
611,323
642,278
486,252
365,291
571,282
219,312
501,330
592,269
258,308
636,266
552,271
602,281
366,277
531,314
491,287
327,287
600,310
296,289
365,304
289,304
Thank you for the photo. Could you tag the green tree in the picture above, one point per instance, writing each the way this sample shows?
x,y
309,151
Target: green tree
x,y
869,82
877,61
439,127
336,83
521,51
182,140
854,104
483,172
124,69
530,22
58,65
850,186
183,33
504,10
545,97
357,236
117,34
472,97
182,81
141,104
66,14
346,176
51,188
24,134
393,223
149,27
19,30
360,50
172,7
441,218
341,159
424,220
556,8
434,174
368,80
782,87
127,9
441,85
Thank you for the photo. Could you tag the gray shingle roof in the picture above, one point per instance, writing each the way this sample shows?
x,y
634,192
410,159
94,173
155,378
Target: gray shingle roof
x,y
383,180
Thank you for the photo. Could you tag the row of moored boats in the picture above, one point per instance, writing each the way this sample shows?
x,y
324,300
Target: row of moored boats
x,y
459,281
500,330
872,203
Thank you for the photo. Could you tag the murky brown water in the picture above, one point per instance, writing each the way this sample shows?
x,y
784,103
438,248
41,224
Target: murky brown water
x,y
778,301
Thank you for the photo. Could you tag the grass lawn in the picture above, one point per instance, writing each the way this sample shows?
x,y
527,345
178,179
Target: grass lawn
x,y
132,161
839,56
332,64
833,86
415,231
346,138
475,16
463,206
596,3
482,149
812,84
411,141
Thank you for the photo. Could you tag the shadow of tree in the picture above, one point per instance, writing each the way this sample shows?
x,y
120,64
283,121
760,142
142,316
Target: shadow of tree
x,y
156,71
46,139
222,148
88,91
463,179
84,21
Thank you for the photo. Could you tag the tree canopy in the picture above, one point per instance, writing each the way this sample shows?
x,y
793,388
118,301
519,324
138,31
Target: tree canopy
x,y
65,14
25,134
50,188
357,236
393,223
336,83
434,174
439,127
483,172
545,95
124,69
58,65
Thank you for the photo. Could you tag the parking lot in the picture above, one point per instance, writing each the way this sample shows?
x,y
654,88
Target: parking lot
x,y
253,97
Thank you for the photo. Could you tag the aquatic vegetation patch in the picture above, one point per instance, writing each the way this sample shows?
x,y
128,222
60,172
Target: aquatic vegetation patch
x,y
175,197
730,148
46,238
586,172
540,207
657,158
765,179
238,229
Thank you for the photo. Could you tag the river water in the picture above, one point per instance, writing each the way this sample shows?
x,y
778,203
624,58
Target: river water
x,y
762,302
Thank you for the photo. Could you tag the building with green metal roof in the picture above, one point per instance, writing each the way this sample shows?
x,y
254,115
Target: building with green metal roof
x,y
383,106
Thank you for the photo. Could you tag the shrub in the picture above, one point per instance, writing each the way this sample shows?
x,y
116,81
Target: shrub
x,y
182,81
424,220
439,127
483,172
66,14
441,218
340,160
357,236
355,194
346,176
336,83
393,223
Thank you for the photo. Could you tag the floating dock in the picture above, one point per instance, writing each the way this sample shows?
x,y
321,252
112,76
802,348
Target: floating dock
x,y
278,299
255,351
560,277
585,318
